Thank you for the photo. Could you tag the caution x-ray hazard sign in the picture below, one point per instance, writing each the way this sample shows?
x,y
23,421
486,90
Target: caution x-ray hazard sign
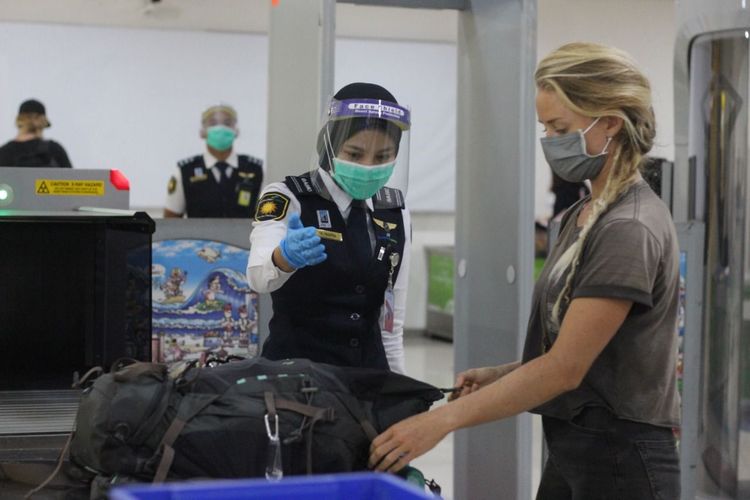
x,y
54,187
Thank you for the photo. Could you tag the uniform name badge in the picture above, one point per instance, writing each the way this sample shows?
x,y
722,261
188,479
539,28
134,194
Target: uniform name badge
x,y
243,198
198,175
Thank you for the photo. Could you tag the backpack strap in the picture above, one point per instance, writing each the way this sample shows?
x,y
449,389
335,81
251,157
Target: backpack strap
x,y
58,467
325,414
137,369
191,405
94,372
315,413
352,404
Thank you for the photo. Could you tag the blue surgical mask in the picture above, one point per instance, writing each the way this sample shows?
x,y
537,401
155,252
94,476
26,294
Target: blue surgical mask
x,y
567,156
220,137
361,181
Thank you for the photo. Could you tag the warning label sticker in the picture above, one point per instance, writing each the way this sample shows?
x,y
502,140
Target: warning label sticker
x,y
53,187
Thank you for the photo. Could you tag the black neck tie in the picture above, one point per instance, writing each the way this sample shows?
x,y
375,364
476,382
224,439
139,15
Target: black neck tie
x,y
224,170
359,237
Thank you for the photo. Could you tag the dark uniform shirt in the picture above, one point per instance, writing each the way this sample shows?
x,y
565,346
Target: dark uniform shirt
x,y
234,194
331,312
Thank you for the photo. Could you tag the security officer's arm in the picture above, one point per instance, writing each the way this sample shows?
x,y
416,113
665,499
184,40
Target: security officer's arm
x,y
175,203
267,271
393,342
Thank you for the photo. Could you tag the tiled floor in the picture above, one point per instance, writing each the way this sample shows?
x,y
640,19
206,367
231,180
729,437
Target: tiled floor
x,y
432,361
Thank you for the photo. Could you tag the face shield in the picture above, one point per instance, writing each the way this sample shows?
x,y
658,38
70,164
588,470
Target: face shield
x,y
364,145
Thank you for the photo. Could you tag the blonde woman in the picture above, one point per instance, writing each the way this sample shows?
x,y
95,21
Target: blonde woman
x,y
29,148
600,353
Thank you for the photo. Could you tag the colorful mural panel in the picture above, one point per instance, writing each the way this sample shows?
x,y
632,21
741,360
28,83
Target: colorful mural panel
x,y
203,306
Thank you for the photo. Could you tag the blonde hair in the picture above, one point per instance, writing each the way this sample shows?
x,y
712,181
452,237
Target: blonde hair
x,y
595,80
32,123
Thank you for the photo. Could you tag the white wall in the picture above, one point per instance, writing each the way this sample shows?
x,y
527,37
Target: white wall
x,y
131,98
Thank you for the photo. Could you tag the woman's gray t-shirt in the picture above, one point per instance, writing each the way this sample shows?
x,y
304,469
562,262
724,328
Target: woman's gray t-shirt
x,y
631,253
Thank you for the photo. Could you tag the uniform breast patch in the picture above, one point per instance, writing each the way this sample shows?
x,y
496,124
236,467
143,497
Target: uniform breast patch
x,y
272,206
172,184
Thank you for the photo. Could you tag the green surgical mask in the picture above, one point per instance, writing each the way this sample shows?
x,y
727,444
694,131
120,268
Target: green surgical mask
x,y
361,181
220,137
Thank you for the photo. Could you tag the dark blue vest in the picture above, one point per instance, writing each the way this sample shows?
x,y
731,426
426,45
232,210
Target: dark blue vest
x,y
330,313
235,197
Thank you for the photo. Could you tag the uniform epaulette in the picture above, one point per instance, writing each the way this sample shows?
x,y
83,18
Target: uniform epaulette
x,y
251,159
188,161
387,198
300,184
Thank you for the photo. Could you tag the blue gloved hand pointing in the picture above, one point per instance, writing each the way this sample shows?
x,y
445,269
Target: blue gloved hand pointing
x,y
301,247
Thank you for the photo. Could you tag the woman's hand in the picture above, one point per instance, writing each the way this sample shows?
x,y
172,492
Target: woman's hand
x,y
392,450
472,380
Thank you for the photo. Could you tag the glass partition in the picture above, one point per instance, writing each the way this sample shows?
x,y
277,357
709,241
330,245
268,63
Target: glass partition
x,y
719,154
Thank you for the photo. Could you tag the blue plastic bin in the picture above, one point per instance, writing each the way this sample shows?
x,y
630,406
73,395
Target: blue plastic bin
x,y
355,486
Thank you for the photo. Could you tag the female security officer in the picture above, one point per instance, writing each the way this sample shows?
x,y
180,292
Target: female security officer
x,y
332,245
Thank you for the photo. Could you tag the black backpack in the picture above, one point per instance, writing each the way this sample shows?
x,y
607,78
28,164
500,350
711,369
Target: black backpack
x,y
220,422
41,156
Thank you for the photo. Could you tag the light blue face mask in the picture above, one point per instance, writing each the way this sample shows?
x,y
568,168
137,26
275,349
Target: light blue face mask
x,y
220,137
567,156
361,181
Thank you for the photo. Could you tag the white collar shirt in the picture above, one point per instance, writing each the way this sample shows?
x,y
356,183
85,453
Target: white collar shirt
x,y
211,161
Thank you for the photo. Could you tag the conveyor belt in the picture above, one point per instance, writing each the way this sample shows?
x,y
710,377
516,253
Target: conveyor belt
x,y
37,412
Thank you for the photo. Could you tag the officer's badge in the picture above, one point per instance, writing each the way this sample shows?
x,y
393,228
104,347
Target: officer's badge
x,y
246,175
388,226
172,185
272,206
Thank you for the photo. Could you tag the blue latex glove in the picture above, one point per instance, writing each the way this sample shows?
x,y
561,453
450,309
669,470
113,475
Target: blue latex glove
x,y
301,247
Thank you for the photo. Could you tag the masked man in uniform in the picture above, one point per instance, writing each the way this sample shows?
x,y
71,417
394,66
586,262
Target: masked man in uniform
x,y
219,182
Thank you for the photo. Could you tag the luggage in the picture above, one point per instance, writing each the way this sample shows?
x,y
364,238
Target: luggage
x,y
247,418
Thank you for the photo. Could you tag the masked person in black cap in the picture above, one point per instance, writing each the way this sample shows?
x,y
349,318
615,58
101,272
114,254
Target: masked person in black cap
x,y
28,149
220,182
332,245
